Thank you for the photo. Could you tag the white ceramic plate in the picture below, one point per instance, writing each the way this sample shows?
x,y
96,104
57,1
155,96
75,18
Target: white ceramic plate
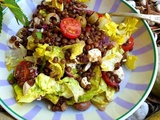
x,y
134,88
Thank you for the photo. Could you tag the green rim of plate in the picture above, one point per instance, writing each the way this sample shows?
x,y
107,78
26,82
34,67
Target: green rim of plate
x,y
146,93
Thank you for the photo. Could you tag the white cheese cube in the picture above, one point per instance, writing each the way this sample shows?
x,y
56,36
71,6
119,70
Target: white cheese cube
x,y
120,73
84,82
94,55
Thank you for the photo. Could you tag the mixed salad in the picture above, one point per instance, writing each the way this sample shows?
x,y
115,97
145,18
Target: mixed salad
x,y
70,56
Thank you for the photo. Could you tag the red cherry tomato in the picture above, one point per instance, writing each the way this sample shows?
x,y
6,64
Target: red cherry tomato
x,y
25,71
70,28
128,46
108,81
100,15
68,1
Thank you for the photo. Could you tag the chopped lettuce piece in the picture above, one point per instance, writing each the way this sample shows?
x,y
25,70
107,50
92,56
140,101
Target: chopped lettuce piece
x,y
105,95
103,20
70,101
30,44
111,58
88,95
38,35
55,52
74,86
47,84
110,28
95,80
73,71
128,26
12,62
100,94
29,58
65,91
40,51
120,33
76,49
48,0
18,91
32,94
43,13
11,77
57,68
100,101
110,92
51,97
67,87
131,62
13,57
57,5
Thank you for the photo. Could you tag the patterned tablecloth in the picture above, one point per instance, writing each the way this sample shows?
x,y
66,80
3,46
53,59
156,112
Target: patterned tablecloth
x,y
147,8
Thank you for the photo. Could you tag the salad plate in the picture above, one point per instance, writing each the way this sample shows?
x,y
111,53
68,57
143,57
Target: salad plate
x,y
134,88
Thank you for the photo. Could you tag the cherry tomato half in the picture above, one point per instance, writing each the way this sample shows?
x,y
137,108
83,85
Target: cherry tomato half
x,y
68,1
128,46
108,81
100,15
70,28
25,71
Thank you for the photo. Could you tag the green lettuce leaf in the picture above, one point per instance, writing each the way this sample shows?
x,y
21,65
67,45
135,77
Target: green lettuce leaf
x,y
73,72
18,91
51,97
76,49
104,97
100,94
13,57
57,69
111,58
73,86
32,94
67,87
131,62
100,101
47,84
54,52
56,4
52,87
30,43
120,33
95,81
39,35
40,51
